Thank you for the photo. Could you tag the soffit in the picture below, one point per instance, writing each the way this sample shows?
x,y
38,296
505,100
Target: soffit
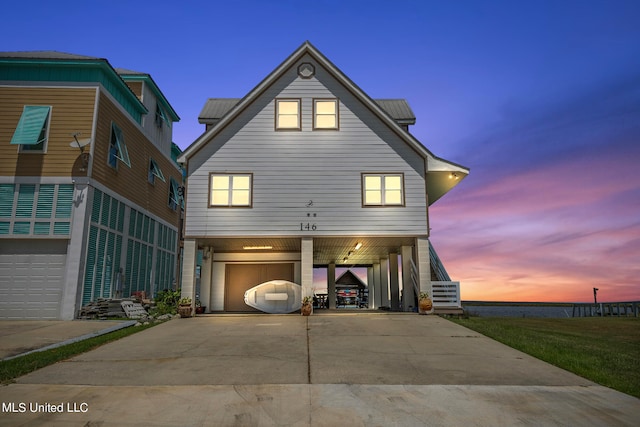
x,y
326,250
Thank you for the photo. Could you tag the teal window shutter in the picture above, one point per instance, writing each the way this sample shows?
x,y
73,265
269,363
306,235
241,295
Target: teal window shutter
x,y
173,195
45,200
154,170
65,201
32,127
26,194
41,228
6,200
117,148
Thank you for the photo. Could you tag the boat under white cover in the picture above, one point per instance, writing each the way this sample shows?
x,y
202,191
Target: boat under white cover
x,y
275,296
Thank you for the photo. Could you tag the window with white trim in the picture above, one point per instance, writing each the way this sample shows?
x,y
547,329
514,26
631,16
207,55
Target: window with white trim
x,y
174,194
325,114
117,148
288,114
155,171
32,132
230,190
383,189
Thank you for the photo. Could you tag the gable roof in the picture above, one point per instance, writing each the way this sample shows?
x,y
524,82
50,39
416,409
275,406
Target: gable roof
x,y
348,278
440,170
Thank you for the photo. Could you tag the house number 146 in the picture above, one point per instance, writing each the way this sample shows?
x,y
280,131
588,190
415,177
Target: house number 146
x,y
308,226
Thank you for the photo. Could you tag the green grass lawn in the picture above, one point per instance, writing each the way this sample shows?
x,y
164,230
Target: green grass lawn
x,y
603,350
14,368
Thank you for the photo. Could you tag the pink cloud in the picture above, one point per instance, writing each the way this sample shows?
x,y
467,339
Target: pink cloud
x,y
551,233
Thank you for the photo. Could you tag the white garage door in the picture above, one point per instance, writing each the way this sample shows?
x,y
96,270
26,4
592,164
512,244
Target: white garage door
x,y
31,278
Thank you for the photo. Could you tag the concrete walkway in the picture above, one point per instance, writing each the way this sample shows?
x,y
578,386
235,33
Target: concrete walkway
x,y
366,369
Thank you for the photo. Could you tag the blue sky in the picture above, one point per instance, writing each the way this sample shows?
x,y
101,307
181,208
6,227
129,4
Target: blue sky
x,y
541,99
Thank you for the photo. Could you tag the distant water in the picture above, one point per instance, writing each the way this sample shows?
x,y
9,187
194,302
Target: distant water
x,y
517,311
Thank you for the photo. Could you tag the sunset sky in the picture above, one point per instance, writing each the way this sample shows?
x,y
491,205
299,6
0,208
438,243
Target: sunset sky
x,y
540,99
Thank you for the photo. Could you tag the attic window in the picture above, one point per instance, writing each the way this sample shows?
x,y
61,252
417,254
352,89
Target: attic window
x,y
117,148
33,128
325,114
288,114
155,171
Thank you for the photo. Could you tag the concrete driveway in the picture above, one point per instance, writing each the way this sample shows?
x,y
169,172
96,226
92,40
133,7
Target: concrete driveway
x,y
373,369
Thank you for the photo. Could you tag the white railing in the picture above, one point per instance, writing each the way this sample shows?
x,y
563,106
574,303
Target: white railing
x,y
446,294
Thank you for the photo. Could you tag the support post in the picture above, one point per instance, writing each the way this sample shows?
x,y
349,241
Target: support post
x,y
394,287
306,266
189,270
424,265
408,293
384,282
331,286
370,285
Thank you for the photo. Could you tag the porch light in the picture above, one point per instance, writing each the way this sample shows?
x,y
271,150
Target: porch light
x,y
454,175
256,248
358,245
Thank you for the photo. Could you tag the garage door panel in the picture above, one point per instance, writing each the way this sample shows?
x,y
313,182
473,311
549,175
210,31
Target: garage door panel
x,y
32,279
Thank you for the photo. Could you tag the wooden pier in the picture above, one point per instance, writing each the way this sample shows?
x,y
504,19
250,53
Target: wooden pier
x,y
618,309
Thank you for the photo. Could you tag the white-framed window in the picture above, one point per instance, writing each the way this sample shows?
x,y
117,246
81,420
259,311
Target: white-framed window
x,y
117,148
288,114
230,190
382,189
32,132
155,171
325,114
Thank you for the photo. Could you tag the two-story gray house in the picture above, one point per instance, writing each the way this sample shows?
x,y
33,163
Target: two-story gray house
x,y
307,171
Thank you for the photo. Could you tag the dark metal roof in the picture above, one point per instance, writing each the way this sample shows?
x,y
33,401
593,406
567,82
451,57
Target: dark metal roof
x,y
398,109
45,54
124,71
215,108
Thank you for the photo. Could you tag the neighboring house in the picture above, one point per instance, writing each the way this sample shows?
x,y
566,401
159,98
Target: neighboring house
x,y
89,203
308,171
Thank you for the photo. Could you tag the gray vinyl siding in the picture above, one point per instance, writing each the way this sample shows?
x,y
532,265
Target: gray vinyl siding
x,y
292,168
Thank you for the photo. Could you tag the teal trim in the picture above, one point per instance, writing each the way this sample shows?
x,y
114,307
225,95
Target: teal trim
x,y
118,149
173,194
61,228
41,228
64,205
6,200
21,227
26,194
32,126
92,244
146,78
4,228
154,170
95,207
45,200
97,71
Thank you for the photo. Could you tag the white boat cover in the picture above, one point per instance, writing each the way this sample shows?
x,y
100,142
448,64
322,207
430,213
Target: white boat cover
x,y
275,296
